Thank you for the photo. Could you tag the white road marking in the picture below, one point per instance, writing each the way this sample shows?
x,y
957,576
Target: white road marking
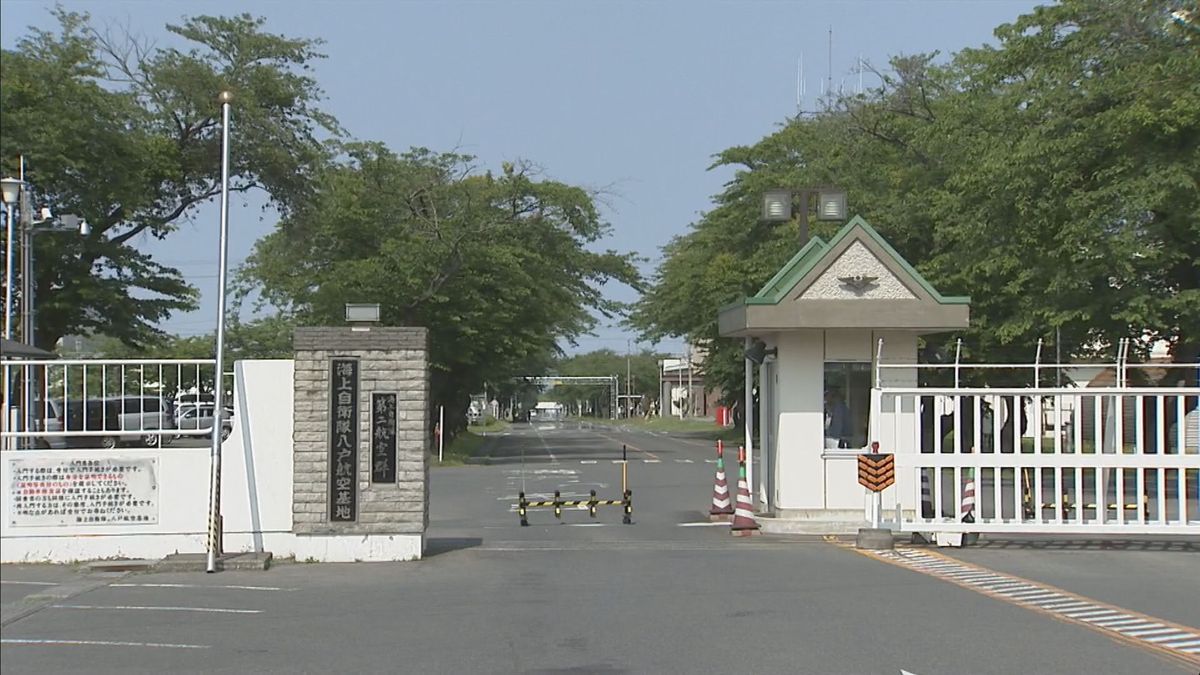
x,y
586,524
702,524
1161,635
151,608
233,588
1185,643
1174,635
651,461
101,643
582,461
683,461
553,459
28,583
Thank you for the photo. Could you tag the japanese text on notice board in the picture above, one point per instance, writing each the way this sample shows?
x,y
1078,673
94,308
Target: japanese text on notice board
x,y
93,491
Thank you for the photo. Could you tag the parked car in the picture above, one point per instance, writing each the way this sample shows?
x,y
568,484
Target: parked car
x,y
91,415
61,416
139,414
202,416
53,418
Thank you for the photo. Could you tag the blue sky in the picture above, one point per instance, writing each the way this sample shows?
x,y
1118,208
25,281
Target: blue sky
x,y
633,97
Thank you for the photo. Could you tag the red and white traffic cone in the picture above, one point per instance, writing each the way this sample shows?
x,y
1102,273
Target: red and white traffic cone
x,y
743,524
968,508
722,508
968,498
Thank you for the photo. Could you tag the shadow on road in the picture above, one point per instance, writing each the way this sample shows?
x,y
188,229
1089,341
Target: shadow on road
x,y
435,546
1163,545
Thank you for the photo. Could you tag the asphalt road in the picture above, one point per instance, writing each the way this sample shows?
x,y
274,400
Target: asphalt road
x,y
667,594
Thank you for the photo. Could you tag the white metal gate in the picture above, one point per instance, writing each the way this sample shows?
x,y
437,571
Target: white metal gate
x,y
1118,460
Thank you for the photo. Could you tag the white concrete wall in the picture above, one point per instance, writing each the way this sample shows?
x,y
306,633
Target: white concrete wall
x,y
808,476
256,493
182,512
801,426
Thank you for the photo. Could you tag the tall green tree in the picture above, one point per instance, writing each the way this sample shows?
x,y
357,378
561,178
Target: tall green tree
x,y
128,136
498,268
1053,178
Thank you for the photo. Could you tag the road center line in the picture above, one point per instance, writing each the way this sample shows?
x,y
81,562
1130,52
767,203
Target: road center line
x,y
151,608
630,446
101,643
28,583
553,459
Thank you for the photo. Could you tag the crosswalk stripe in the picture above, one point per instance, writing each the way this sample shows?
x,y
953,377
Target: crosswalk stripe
x,y
1163,636
1169,637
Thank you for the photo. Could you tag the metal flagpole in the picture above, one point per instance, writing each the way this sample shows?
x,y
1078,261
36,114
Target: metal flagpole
x,y
214,506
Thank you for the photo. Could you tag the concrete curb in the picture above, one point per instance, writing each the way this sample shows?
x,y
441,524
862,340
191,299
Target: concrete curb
x,y
798,526
120,565
198,562
875,539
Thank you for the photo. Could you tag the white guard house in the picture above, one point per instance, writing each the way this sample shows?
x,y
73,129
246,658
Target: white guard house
x,y
825,318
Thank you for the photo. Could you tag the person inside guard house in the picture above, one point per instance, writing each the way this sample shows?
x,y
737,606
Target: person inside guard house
x,y
837,420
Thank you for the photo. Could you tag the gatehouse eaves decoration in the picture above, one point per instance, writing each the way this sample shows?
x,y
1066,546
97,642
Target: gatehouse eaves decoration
x,y
858,283
856,280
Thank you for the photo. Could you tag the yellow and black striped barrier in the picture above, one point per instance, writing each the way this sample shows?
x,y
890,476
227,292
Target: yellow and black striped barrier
x,y
523,505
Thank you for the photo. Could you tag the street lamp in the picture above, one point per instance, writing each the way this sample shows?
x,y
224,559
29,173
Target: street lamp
x,y
11,188
777,206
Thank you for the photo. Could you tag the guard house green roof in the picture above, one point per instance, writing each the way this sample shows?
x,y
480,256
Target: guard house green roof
x,y
856,280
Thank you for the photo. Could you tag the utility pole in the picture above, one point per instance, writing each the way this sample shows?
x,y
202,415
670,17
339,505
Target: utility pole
x,y
628,380
661,368
26,223
689,390
27,386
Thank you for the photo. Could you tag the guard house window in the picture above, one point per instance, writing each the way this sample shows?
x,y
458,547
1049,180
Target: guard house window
x,y
847,403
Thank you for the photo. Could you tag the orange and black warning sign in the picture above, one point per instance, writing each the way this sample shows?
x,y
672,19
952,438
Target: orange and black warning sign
x,y
876,471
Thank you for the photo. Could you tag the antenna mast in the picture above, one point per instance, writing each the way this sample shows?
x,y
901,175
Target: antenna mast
x,y
829,75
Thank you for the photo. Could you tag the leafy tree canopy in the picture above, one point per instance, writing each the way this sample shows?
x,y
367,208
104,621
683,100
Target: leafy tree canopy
x,y
498,267
128,136
1054,178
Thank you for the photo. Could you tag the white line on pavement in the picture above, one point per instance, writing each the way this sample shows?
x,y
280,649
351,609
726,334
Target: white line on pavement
x,y
28,583
652,461
702,524
234,588
102,643
215,610
683,461
553,459
582,461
